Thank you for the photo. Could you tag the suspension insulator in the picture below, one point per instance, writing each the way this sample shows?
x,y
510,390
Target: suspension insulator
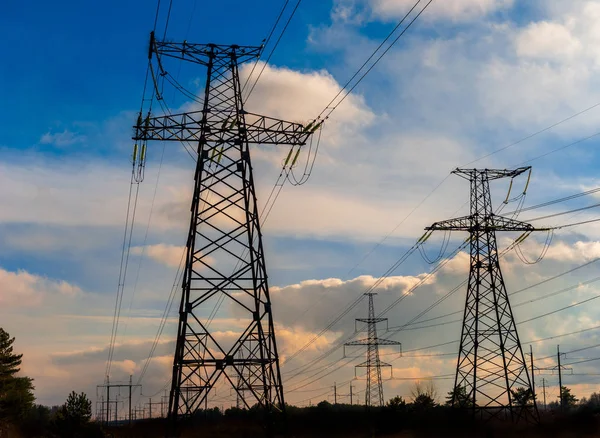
x,y
309,127
289,155
509,189
317,126
296,157
135,148
220,155
527,183
143,154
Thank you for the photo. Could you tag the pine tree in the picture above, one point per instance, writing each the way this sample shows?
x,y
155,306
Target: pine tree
x,y
9,362
16,393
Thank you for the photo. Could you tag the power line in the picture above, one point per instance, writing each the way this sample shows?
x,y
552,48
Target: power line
x,y
332,109
369,58
274,47
396,302
534,134
549,216
556,201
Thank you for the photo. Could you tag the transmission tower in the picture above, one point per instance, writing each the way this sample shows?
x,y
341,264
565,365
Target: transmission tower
x,y
491,364
374,390
224,250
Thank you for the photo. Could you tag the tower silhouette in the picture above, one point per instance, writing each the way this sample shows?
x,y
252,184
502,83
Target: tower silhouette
x,y
374,389
491,364
224,250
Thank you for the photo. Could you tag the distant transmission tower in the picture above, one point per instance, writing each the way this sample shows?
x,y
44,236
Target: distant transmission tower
x,y
224,255
374,390
491,364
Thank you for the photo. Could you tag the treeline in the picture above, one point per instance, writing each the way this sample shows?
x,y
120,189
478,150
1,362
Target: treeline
x,y
21,417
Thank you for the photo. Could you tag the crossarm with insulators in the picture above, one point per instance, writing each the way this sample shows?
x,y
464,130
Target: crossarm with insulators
x,y
470,223
376,341
189,127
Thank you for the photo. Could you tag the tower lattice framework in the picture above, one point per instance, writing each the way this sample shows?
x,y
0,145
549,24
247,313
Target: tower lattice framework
x,y
374,386
224,250
491,364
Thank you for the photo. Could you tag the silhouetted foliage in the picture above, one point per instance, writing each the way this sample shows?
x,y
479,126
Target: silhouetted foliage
x,y
568,399
424,395
592,403
397,404
522,396
16,393
72,420
459,393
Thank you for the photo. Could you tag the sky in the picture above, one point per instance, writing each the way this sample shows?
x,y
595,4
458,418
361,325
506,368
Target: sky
x,y
468,79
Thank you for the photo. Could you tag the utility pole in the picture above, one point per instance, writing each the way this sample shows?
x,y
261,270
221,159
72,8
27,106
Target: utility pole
x,y
532,371
150,404
108,386
137,411
544,386
489,332
560,369
374,391
334,394
163,400
351,394
107,399
223,202
560,391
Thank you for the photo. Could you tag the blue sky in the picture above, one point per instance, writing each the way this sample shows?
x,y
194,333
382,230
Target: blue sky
x,y
472,76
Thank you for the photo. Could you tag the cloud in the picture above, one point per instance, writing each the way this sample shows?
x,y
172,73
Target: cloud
x,y
301,96
455,10
547,40
359,11
61,139
22,289
170,255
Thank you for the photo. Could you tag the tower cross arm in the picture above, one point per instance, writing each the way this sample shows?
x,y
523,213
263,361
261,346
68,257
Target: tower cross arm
x,y
200,53
491,223
218,126
375,341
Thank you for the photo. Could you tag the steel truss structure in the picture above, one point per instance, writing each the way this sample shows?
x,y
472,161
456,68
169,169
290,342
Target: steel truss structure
x,y
224,251
374,389
491,366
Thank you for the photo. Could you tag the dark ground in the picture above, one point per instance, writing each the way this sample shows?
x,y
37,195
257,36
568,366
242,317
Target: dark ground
x,y
353,422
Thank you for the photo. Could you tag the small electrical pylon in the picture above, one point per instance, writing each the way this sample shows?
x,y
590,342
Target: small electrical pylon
x,y
374,390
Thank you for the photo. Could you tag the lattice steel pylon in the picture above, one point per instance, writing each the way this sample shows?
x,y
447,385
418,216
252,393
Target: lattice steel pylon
x,y
491,364
224,250
374,389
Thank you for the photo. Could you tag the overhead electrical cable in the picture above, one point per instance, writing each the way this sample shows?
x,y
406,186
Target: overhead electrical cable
x,y
405,294
275,46
267,40
330,109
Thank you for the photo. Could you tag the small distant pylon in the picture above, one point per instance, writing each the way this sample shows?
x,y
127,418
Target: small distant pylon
x,y
374,390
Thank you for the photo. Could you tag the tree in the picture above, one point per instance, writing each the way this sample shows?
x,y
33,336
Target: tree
x,y
396,403
424,395
522,396
16,393
593,402
9,362
568,399
72,419
459,396
78,408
